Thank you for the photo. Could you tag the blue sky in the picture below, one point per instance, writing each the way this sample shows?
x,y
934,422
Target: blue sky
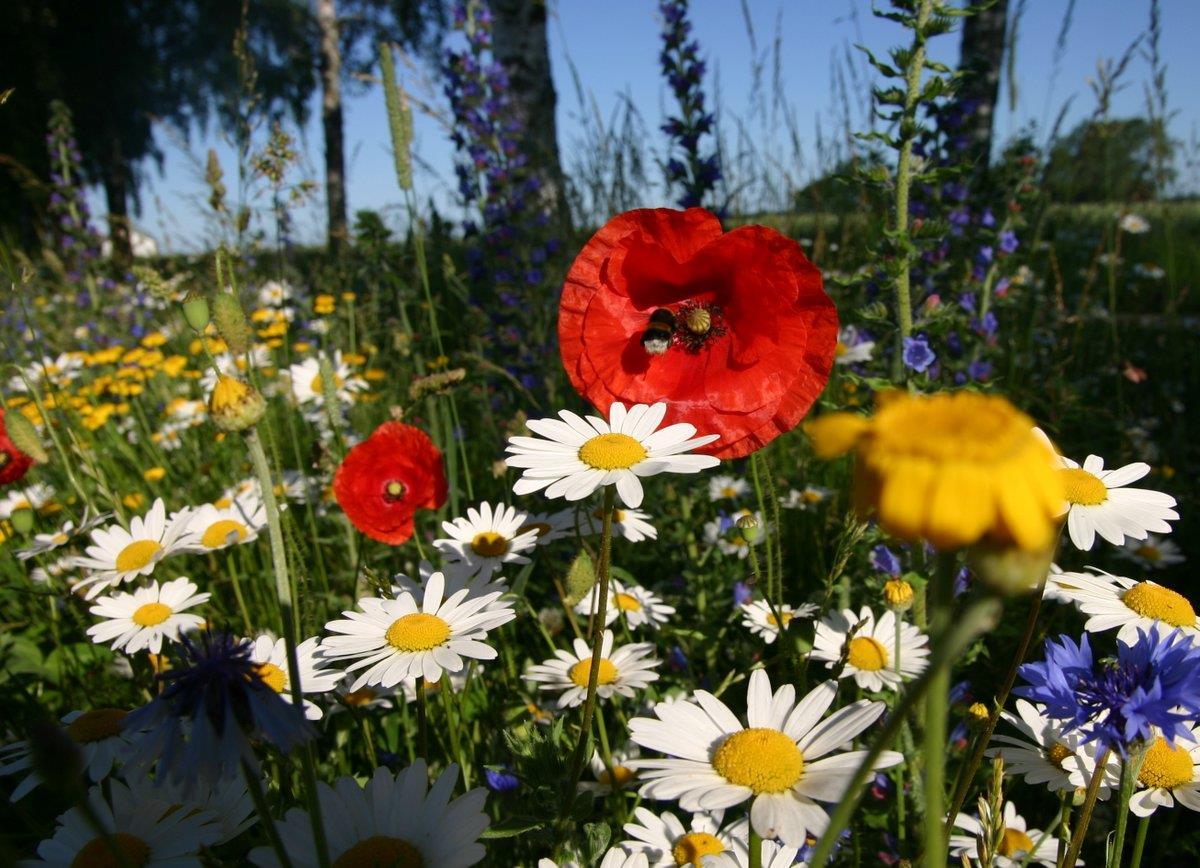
x,y
614,47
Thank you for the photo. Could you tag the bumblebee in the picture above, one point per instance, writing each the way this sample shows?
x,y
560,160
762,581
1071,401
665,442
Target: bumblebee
x,y
657,336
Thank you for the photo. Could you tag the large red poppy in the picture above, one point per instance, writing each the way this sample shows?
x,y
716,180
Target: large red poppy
x,y
383,481
13,462
748,343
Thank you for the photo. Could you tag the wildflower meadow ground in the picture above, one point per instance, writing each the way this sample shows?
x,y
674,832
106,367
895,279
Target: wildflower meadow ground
x,y
696,538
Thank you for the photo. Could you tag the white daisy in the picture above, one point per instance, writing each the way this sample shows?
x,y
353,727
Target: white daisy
x,y
391,640
212,527
362,699
724,533
805,499
622,671
774,855
667,842
456,681
1098,502
1153,552
1134,224
228,802
1046,754
46,542
236,365
716,762
391,820
618,775
1115,601
145,827
307,385
852,349
32,497
142,619
549,526
456,578
100,736
760,619
631,524
867,647
1169,773
118,555
725,487
639,607
275,293
270,655
578,456
486,539
617,857
1019,845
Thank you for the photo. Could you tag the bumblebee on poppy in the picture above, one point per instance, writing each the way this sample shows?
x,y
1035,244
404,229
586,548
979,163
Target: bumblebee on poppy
x,y
658,334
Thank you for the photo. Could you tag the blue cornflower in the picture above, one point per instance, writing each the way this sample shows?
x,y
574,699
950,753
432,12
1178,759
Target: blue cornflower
x,y
742,593
917,354
885,560
1153,682
215,701
501,780
1008,241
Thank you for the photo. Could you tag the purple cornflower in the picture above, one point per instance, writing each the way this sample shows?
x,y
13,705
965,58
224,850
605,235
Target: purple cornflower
x,y
1008,241
742,593
501,780
1153,682
884,559
696,174
917,354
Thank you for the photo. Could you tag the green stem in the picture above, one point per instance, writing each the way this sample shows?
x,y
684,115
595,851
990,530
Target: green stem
x,y
941,604
287,616
589,703
1064,823
966,773
1129,775
912,93
422,718
1139,843
1089,804
976,620
254,786
755,849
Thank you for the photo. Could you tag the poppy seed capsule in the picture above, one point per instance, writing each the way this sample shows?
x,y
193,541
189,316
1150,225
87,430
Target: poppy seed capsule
x,y
698,321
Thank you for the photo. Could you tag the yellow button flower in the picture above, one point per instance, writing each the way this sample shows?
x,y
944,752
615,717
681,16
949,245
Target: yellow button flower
x,y
953,468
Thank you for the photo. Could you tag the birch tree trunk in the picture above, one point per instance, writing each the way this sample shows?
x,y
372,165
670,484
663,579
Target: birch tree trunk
x,y
331,122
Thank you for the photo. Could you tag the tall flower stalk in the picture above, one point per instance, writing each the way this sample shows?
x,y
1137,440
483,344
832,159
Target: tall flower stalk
x,y
688,168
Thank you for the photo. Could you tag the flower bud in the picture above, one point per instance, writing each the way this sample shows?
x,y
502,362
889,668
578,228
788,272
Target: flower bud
x,y
1009,570
25,437
898,594
195,312
22,520
230,320
581,578
235,405
977,714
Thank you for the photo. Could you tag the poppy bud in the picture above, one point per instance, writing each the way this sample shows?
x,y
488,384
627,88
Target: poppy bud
x,y
235,405
581,578
196,312
25,437
230,320
22,520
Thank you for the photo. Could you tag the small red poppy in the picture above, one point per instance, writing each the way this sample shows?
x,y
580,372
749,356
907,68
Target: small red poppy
x,y
13,462
384,480
732,329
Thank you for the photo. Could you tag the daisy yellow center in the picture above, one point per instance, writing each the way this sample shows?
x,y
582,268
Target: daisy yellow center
x,y
318,384
538,527
765,760
490,544
1014,842
378,851
690,849
137,555
1058,753
840,349
728,491
628,603
867,654
621,774
151,614
359,698
223,532
97,853
272,676
1165,766
96,725
785,617
612,452
618,515
1083,488
580,671
1162,604
1150,552
417,632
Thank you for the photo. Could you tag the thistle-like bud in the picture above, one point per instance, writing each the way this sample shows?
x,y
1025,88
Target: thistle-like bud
x,y
25,437
195,312
230,320
235,405
581,578
898,594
